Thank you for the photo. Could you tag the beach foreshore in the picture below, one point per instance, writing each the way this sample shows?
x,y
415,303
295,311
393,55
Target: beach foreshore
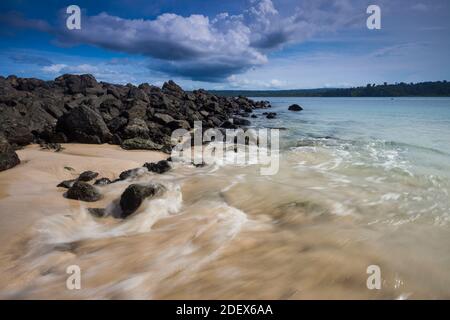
x,y
29,191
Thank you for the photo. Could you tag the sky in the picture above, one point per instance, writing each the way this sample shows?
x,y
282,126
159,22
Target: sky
x,y
246,44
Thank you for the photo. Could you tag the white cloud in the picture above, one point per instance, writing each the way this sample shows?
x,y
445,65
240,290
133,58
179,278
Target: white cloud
x,y
201,48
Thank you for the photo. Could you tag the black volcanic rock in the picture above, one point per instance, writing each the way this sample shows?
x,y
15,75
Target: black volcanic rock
x,y
66,183
131,173
295,107
102,182
87,176
241,122
158,167
140,144
83,191
77,108
271,115
8,157
84,125
133,196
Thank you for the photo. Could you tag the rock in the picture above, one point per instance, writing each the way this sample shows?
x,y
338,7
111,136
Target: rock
x,y
116,139
133,196
18,134
163,118
295,107
228,125
140,144
241,122
172,88
159,167
137,128
179,124
83,191
66,183
8,157
52,146
76,84
131,173
102,182
84,125
87,176
271,115
254,116
97,212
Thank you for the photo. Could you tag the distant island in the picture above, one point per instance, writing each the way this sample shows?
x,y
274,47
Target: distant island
x,y
422,89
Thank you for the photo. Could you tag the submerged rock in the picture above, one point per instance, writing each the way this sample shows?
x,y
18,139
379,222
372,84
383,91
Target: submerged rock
x,y
97,212
241,122
83,191
8,157
131,173
87,176
159,167
295,107
271,115
133,196
102,182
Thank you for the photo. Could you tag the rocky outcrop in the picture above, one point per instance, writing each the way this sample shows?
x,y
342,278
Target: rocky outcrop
x,y
77,108
8,157
133,196
295,107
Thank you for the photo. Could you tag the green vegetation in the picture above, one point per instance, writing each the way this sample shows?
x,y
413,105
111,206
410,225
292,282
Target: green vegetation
x,y
422,89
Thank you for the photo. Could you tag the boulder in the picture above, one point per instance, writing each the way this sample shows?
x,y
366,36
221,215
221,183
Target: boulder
x,y
8,157
74,84
158,167
136,128
131,173
87,176
140,144
295,107
83,191
133,196
84,125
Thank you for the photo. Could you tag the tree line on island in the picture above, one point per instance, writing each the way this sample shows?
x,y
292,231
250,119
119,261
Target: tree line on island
x,y
422,89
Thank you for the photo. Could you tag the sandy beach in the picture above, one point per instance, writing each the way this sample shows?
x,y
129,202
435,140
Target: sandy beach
x,y
33,183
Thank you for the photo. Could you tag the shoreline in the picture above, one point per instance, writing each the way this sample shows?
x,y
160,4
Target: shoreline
x,y
34,181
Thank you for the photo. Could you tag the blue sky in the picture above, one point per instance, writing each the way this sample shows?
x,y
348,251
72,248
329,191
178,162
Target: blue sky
x,y
253,44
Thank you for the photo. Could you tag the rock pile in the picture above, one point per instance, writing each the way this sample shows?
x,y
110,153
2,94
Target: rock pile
x,y
77,108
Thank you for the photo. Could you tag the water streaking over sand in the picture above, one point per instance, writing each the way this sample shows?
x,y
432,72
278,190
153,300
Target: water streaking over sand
x,y
344,198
